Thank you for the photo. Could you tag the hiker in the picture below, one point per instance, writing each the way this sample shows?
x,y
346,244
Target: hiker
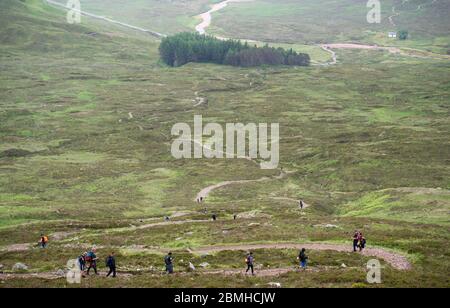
x,y
362,243
82,262
201,199
168,260
235,216
167,219
303,259
111,264
355,240
43,242
92,258
250,260
301,204
214,217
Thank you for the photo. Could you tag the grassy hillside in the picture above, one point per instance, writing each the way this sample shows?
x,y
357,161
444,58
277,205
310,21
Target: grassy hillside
x,y
309,21
294,21
85,119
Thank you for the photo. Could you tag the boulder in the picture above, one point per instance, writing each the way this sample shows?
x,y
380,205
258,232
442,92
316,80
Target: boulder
x,y
274,284
191,267
204,264
19,267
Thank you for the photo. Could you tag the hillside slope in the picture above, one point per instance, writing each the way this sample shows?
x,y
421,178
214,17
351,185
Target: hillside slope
x,y
86,113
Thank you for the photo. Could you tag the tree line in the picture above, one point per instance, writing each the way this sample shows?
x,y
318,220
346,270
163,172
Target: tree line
x,y
183,48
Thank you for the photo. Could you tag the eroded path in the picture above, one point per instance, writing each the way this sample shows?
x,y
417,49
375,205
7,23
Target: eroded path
x,y
206,191
207,16
396,260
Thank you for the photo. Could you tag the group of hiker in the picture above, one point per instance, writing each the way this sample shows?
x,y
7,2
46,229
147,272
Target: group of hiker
x,y
249,261
359,241
88,261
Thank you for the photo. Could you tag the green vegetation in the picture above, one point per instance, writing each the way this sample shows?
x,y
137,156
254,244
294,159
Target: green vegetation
x,y
367,141
183,48
402,35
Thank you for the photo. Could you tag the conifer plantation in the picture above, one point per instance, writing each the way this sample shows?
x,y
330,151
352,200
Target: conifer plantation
x,y
186,47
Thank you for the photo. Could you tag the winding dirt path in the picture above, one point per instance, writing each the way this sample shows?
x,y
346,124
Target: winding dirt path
x,y
206,191
333,56
207,16
273,272
396,260
394,14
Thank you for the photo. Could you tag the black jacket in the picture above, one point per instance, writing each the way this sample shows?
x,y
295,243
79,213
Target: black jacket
x,y
168,260
302,257
111,261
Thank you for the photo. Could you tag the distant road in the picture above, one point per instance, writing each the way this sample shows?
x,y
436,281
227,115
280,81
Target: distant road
x,y
154,33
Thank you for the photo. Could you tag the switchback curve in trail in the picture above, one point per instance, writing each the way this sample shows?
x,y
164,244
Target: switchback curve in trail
x,y
207,190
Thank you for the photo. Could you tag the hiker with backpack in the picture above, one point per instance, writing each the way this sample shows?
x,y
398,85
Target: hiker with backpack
x,y
43,242
168,260
250,261
362,242
111,264
82,262
303,258
91,258
355,241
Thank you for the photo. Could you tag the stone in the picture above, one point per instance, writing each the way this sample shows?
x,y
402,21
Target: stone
x,y
191,267
19,267
274,284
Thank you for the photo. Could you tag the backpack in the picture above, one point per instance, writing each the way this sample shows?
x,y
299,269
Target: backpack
x,y
168,260
89,257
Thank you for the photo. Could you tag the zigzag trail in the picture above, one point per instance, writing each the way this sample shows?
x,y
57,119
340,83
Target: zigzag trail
x,y
397,261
